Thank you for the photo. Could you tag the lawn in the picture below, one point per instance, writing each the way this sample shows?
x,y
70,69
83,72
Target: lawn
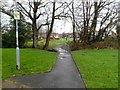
x,y
32,61
99,68
60,41
51,43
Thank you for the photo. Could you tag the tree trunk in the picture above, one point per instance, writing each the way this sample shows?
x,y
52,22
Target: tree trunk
x,y
35,35
47,40
51,28
94,21
84,36
73,23
74,34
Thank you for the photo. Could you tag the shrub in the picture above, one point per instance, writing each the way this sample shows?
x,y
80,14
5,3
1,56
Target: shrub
x,y
109,42
9,38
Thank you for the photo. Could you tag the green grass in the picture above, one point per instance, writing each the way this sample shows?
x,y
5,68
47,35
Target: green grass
x,y
99,68
32,61
51,43
58,42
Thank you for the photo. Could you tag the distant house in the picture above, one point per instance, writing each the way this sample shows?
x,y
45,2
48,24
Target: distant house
x,y
57,35
42,35
54,36
69,35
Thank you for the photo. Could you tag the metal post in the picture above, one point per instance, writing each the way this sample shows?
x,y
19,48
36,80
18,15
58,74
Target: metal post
x,y
17,49
17,44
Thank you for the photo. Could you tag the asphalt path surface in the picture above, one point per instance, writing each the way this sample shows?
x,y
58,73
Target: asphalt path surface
x,y
63,75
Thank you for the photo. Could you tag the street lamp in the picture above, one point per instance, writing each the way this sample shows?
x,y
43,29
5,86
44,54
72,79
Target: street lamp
x,y
17,17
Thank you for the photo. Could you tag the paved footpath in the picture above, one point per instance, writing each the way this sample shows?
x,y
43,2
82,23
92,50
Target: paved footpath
x,y
63,75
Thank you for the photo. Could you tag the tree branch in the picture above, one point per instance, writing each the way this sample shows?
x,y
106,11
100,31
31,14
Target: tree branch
x,y
42,25
7,12
25,11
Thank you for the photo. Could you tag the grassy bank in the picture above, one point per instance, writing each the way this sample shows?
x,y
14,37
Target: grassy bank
x,y
99,68
32,61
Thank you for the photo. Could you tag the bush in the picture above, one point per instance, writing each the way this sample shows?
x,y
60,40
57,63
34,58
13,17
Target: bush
x,y
9,38
109,42
78,46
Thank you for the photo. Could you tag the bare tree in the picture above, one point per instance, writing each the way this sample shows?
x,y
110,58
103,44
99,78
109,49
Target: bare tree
x,y
57,13
92,24
33,12
71,14
87,17
73,22
51,28
118,24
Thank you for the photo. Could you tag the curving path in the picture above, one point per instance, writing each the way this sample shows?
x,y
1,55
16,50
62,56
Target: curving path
x,y
63,75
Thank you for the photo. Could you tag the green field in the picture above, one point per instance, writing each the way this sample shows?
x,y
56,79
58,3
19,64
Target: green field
x,y
51,43
60,41
99,68
32,61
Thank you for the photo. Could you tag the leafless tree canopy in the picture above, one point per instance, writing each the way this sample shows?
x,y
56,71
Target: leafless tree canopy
x,y
92,21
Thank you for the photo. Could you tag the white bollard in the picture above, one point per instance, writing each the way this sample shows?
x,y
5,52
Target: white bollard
x,y
17,59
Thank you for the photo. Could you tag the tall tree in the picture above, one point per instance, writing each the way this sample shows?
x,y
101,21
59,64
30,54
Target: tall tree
x,y
95,20
51,27
57,13
33,13
71,15
118,24
73,22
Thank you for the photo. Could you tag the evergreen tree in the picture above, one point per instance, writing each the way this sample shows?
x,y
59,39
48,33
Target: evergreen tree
x,y
9,38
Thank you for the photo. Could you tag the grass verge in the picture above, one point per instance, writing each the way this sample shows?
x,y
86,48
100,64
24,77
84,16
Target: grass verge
x,y
32,61
99,68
